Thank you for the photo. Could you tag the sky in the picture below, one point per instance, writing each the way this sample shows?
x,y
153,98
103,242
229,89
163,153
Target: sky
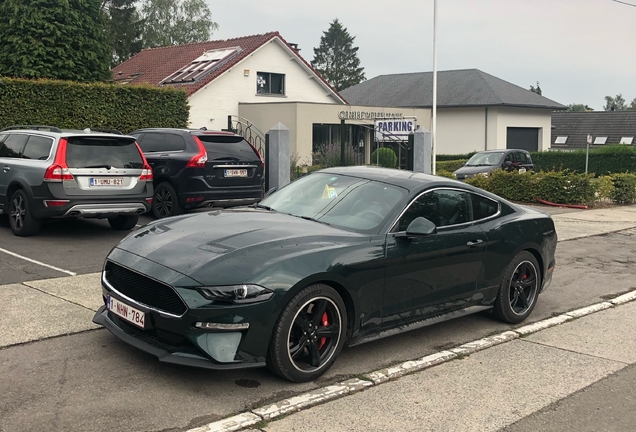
x,y
578,50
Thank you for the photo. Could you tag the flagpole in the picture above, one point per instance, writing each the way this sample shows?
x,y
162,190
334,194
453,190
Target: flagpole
x,y
434,126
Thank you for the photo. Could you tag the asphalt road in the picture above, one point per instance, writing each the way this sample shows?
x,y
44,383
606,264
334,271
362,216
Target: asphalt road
x,y
92,381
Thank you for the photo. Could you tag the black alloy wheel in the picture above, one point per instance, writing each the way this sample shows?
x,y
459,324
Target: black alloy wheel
x,y
309,334
165,202
519,289
21,220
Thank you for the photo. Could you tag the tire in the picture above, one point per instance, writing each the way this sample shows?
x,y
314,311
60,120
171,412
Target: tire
x,y
123,223
519,289
297,350
165,201
21,219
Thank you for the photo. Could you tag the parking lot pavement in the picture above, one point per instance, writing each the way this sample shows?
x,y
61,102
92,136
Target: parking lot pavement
x,y
93,381
61,248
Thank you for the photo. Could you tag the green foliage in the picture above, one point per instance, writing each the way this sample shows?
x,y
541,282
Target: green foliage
x,y
450,165
384,157
579,108
329,155
73,105
602,161
176,22
445,173
336,59
624,189
536,89
557,187
312,168
60,39
615,103
123,28
604,187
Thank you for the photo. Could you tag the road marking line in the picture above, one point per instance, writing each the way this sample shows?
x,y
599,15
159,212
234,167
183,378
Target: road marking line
x,y
38,262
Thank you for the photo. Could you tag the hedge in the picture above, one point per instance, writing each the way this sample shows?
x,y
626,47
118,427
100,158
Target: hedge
x,y
602,161
561,187
72,105
384,157
449,157
450,165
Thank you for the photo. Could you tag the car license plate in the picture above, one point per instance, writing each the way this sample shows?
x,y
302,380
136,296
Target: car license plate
x,y
107,181
522,170
129,313
235,173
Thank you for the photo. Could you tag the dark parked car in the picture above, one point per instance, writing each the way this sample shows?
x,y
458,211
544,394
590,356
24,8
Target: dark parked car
x,y
483,163
46,172
198,168
343,255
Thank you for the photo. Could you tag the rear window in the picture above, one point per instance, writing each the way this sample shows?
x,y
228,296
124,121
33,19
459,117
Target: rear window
x,y
221,147
96,152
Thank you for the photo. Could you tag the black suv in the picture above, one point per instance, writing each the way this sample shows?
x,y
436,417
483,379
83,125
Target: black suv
x,y
198,168
46,172
485,162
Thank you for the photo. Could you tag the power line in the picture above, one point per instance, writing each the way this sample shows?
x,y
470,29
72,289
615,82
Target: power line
x,y
625,3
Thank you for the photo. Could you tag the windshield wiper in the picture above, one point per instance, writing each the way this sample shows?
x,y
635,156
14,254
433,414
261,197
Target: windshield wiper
x,y
262,206
314,220
99,166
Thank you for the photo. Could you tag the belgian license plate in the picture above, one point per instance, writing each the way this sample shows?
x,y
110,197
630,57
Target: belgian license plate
x,y
235,173
106,181
522,170
129,313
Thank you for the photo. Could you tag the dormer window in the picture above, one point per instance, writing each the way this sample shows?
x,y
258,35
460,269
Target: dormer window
x,y
270,83
201,66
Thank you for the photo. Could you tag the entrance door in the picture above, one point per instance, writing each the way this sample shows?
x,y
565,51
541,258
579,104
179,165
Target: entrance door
x,y
523,138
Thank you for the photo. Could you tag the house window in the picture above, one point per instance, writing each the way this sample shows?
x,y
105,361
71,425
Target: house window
x,y
600,140
561,140
626,140
270,83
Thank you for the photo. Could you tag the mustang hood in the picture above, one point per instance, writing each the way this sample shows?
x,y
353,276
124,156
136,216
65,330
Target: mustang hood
x,y
229,246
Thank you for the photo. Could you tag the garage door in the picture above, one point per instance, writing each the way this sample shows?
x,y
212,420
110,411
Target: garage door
x,y
523,138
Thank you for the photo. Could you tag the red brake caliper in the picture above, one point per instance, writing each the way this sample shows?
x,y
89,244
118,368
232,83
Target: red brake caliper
x,y
325,323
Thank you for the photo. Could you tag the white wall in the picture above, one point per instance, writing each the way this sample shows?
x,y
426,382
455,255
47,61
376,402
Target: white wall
x,y
211,105
463,130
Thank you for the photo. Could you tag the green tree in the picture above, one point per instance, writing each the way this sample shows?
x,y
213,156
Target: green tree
x,y
615,103
579,108
123,28
536,89
62,39
176,22
632,105
336,59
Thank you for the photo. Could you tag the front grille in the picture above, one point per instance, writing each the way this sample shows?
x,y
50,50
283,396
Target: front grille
x,y
144,290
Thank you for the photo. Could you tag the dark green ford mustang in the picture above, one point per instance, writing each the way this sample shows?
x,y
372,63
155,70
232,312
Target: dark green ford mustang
x,y
342,256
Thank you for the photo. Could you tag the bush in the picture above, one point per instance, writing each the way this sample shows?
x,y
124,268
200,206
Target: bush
x,y
624,191
448,157
329,155
445,173
450,165
72,105
384,157
602,161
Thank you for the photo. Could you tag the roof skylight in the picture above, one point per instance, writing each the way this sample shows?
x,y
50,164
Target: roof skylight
x,y
561,140
201,66
626,140
600,140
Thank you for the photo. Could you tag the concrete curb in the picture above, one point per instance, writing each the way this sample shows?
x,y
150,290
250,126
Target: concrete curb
x,y
354,385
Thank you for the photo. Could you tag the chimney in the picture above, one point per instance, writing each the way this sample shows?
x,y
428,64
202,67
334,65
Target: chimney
x,y
294,47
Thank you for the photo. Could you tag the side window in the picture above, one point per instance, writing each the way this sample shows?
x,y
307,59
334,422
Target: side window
x,y
443,207
13,145
521,158
152,142
37,148
509,158
174,143
483,207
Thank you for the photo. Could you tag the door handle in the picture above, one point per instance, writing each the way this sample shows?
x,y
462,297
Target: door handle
x,y
474,243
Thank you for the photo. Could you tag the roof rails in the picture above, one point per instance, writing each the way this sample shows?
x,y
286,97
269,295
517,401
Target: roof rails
x,y
111,131
33,127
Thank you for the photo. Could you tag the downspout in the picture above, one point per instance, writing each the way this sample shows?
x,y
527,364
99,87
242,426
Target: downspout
x,y
486,131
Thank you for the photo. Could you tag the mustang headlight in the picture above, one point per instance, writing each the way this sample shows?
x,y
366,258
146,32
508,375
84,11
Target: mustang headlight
x,y
237,294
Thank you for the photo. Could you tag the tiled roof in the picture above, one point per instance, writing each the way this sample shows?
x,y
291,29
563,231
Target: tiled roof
x,y
153,65
577,125
455,88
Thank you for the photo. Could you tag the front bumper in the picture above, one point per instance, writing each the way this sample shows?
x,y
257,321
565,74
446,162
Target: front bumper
x,y
163,351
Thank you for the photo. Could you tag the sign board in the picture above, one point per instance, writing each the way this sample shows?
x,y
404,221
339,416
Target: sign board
x,y
367,115
394,130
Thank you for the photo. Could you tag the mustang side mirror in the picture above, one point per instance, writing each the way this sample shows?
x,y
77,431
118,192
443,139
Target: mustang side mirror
x,y
420,227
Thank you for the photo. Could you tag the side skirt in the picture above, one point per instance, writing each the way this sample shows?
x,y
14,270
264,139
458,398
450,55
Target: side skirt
x,y
423,323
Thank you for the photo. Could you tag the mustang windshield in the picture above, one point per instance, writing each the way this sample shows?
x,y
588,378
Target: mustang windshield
x,y
485,159
339,200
